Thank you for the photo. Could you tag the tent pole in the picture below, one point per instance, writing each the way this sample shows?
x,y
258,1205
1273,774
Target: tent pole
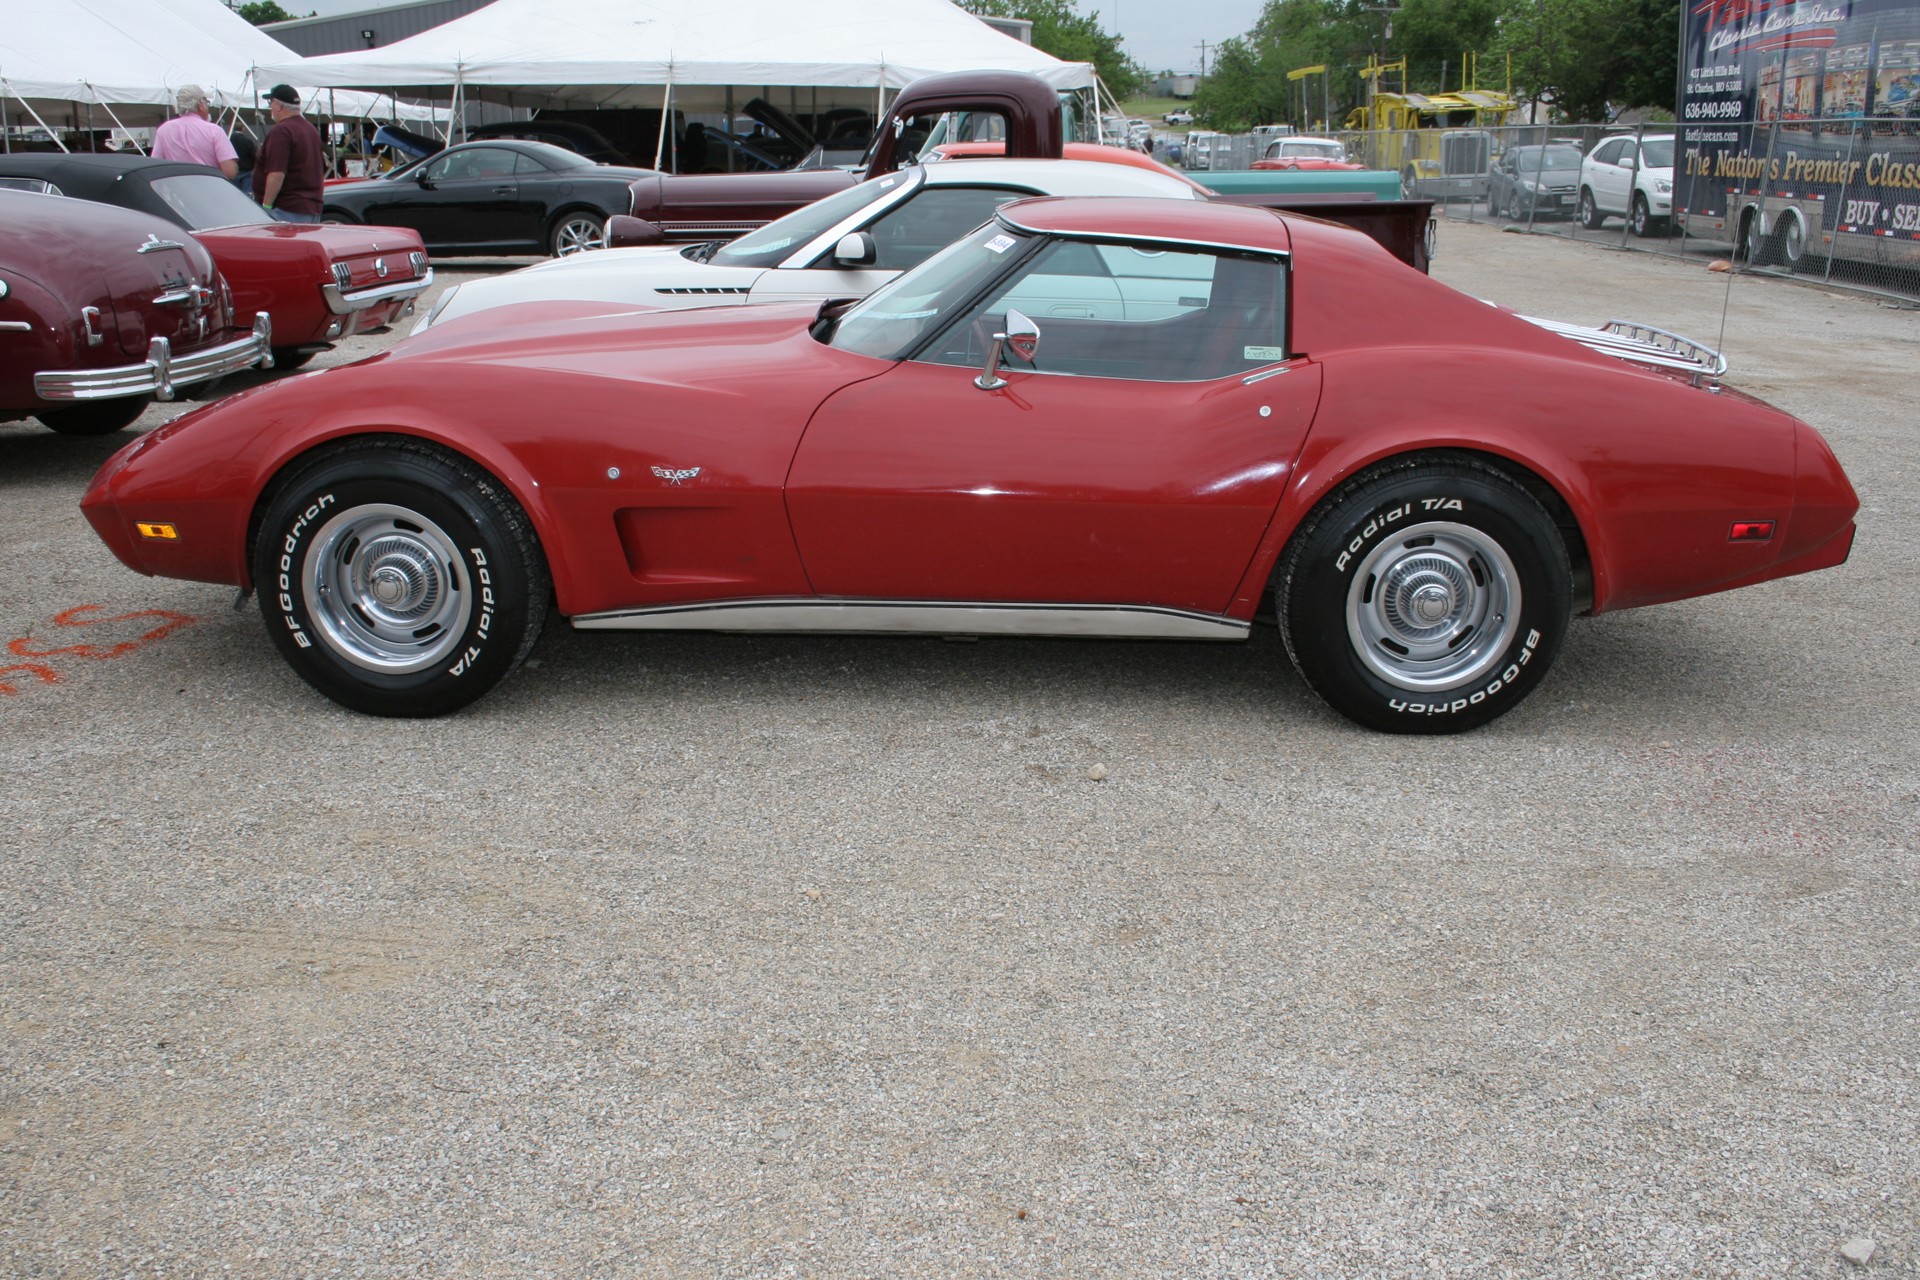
x,y
666,114
28,108
116,122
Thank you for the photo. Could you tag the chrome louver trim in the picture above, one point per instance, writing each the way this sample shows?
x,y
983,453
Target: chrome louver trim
x,y
1642,344
706,289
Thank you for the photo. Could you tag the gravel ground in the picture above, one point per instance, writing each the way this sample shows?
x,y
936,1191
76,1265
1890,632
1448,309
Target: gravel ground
x,y
729,956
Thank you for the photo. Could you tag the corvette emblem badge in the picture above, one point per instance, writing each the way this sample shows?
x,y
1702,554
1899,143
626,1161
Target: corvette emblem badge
x,y
672,476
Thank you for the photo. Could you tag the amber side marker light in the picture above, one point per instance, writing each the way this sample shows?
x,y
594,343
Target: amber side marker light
x,y
167,533
1751,531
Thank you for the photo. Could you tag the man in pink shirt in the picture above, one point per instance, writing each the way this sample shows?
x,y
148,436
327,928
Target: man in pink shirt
x,y
193,137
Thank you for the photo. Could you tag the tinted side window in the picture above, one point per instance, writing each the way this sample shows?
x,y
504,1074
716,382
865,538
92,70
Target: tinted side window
x,y
910,233
1134,311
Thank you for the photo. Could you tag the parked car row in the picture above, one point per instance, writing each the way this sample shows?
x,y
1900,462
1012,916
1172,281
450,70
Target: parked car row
x,y
1620,177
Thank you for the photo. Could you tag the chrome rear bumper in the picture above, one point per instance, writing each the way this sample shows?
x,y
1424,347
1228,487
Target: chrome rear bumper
x,y
161,371
343,302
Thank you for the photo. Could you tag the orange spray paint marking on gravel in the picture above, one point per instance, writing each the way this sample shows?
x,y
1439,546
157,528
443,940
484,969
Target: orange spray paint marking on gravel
x,y
81,616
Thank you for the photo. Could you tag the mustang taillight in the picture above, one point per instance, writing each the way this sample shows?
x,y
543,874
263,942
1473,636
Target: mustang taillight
x,y
343,275
1751,531
419,261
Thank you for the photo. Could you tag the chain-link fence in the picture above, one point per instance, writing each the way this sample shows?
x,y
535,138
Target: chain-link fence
x,y
1837,199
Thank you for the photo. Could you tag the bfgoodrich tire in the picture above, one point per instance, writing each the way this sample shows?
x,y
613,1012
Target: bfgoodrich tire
x,y
1425,596
397,579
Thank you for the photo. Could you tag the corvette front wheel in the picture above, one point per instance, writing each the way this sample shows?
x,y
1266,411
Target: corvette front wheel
x,y
397,579
1425,596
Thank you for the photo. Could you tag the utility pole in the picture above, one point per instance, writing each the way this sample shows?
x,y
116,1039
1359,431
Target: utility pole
x,y
1203,59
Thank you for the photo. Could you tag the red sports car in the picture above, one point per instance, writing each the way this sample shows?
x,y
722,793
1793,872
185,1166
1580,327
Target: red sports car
x,y
317,283
1111,417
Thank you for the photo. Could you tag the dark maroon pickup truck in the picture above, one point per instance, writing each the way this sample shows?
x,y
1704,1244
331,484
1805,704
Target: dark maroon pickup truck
x,y
720,206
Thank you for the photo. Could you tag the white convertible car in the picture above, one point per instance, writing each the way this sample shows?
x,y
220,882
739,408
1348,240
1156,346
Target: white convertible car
x,y
844,246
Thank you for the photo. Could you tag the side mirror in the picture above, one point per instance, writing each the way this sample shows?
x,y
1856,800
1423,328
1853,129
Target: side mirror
x,y
1022,338
856,249
627,232
426,183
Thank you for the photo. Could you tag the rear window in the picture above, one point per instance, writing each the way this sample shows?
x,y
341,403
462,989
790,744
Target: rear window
x,y
207,202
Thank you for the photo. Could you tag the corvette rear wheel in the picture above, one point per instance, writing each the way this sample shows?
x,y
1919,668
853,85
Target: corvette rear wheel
x,y
577,232
397,579
1425,596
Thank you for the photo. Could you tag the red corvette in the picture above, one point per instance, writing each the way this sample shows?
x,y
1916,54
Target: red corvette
x,y
1090,417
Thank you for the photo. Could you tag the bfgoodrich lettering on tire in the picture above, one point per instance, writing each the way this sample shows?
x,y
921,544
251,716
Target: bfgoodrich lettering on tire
x,y
1425,596
398,579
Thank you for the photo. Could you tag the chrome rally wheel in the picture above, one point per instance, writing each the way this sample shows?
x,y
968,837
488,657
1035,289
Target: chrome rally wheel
x,y
387,587
1434,607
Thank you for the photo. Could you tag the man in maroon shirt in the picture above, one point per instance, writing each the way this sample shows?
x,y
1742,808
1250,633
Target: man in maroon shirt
x,y
289,170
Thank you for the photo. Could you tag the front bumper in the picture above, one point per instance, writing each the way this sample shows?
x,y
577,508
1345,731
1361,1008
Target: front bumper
x,y
345,302
161,371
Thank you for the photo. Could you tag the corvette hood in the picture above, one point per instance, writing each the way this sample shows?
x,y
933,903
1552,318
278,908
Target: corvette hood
x,y
573,331
654,276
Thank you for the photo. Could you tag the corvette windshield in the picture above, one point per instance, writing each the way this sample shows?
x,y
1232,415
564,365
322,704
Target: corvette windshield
x,y
774,243
895,317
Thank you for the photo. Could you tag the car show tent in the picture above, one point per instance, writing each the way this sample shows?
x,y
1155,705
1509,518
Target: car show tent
x,y
631,53
98,64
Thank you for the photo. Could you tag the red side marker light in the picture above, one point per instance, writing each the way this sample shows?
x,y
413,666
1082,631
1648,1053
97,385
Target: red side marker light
x,y
1751,531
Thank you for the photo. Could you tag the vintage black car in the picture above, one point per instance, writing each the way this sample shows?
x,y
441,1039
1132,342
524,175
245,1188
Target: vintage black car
x,y
502,196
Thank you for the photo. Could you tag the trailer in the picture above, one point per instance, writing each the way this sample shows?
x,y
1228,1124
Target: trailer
x,y
1800,130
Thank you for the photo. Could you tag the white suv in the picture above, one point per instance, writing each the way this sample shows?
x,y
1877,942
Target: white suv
x,y
1629,178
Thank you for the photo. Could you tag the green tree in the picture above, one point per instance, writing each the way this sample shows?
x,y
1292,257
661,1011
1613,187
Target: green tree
x,y
1063,31
1583,56
259,12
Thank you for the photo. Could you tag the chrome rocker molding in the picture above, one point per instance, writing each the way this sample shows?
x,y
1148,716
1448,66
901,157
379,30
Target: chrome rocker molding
x,y
341,303
161,371
806,614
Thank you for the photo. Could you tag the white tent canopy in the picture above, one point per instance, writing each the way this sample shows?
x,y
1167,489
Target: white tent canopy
x,y
604,53
121,62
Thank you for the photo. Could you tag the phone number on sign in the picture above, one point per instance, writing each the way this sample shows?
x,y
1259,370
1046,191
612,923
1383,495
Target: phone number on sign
x,y
1728,110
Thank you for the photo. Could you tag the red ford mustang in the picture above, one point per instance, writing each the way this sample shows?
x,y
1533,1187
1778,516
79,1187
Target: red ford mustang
x,y
1090,417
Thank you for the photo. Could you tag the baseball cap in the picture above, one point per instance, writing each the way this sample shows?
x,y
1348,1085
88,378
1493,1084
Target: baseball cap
x,y
283,93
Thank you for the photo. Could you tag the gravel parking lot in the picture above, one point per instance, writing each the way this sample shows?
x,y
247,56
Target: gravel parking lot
x,y
730,956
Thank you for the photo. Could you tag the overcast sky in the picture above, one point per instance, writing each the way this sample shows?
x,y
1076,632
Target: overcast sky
x,y
1159,34
1162,34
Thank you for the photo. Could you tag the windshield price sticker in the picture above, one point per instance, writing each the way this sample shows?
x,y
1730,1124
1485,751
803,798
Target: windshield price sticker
x,y
1000,244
